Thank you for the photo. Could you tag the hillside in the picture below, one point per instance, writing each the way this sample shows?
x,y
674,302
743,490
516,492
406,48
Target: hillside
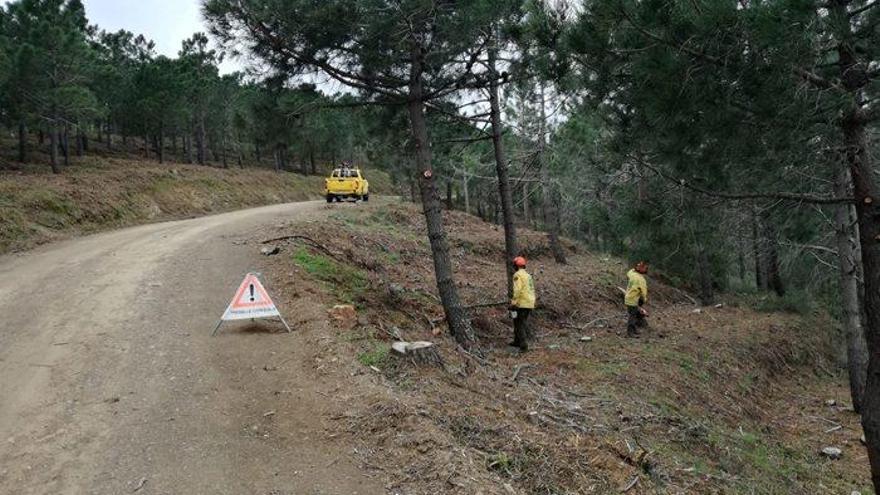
x,y
105,192
713,400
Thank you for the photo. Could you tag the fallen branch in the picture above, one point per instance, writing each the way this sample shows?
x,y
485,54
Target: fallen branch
x,y
518,370
315,244
486,305
631,484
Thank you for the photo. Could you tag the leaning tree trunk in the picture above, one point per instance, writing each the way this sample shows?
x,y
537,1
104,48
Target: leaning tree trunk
x,y
847,258
456,317
504,193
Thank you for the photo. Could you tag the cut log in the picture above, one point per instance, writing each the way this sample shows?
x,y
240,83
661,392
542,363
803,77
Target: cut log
x,y
418,353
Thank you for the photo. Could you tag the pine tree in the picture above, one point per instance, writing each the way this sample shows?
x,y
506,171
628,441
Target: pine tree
x,y
429,58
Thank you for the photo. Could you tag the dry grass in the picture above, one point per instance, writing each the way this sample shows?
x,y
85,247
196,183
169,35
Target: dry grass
x,y
99,193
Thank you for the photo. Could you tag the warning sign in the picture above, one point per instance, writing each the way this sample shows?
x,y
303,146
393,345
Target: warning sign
x,y
251,301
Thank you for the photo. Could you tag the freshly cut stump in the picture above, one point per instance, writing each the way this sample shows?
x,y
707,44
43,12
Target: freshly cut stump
x,y
418,353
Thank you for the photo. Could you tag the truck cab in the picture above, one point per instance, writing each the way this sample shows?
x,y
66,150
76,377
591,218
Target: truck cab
x,y
346,183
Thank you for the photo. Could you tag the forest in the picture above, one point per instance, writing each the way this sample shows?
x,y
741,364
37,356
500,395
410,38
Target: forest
x,y
732,144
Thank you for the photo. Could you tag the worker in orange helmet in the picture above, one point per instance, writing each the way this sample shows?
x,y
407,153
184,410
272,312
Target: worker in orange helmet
x,y
636,296
522,303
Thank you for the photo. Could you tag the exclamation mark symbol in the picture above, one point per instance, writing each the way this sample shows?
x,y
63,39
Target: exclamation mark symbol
x,y
252,292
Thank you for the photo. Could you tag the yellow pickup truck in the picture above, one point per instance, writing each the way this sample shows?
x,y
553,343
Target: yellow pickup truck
x,y
346,183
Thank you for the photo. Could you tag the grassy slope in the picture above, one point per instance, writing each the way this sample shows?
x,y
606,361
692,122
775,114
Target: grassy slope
x,y
99,193
727,400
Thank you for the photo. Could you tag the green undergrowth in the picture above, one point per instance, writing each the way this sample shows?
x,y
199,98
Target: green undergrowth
x,y
346,283
376,356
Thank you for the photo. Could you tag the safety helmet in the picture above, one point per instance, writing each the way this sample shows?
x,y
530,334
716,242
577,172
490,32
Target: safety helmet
x,y
519,262
642,267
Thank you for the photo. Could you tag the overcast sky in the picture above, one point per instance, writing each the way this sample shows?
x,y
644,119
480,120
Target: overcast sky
x,y
167,22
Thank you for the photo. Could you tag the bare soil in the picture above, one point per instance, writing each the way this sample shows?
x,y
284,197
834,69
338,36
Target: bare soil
x,y
111,383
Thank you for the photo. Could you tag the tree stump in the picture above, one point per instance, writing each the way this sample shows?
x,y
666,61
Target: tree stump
x,y
418,353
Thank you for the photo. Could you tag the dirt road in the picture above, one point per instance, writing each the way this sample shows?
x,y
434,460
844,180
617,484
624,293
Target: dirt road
x,y
110,382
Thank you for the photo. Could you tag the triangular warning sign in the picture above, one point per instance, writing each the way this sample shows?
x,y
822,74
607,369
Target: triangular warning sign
x,y
250,301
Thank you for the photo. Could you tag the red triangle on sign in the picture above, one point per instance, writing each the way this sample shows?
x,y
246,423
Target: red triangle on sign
x,y
250,301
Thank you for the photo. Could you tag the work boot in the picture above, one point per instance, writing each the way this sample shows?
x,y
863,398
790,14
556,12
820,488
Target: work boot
x,y
522,347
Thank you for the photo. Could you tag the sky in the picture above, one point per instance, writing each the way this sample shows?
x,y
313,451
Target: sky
x,y
167,22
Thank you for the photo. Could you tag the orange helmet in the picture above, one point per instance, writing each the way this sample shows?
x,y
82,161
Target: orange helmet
x,y
642,267
519,262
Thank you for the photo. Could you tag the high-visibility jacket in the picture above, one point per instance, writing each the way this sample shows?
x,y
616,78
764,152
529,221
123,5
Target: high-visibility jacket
x,y
636,289
523,290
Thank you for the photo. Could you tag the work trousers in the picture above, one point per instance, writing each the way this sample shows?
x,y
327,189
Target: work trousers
x,y
521,328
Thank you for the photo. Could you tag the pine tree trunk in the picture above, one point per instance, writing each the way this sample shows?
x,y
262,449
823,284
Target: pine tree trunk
x,y
449,205
704,277
314,166
505,196
867,201
187,147
22,142
551,212
80,138
526,215
65,146
456,317
464,191
200,141
848,256
109,137
41,137
756,252
223,149
771,243
53,148
868,212
257,157
161,142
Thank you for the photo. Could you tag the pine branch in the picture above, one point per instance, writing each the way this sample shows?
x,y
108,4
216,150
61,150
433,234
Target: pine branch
x,y
782,196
